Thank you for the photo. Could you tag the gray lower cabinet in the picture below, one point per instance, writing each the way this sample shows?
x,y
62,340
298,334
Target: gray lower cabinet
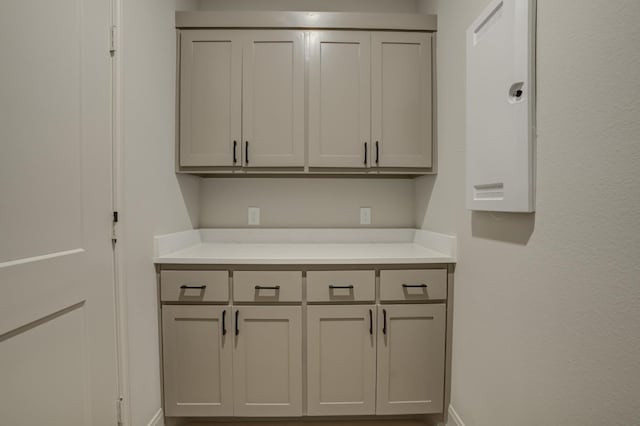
x,y
411,359
341,360
368,350
197,358
267,361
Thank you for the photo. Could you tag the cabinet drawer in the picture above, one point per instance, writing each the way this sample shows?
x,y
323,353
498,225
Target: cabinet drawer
x,y
267,286
341,286
194,286
419,284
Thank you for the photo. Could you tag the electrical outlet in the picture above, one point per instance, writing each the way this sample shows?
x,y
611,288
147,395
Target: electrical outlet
x,y
254,216
365,215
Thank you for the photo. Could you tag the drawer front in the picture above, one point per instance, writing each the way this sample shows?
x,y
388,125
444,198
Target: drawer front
x,y
411,285
267,286
194,286
341,286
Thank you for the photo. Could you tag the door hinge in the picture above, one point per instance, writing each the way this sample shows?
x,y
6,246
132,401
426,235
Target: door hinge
x,y
119,403
114,238
113,44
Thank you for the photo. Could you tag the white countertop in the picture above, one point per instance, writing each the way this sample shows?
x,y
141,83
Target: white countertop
x,y
304,246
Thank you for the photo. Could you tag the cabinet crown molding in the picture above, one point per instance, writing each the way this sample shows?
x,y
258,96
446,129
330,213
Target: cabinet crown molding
x,y
308,20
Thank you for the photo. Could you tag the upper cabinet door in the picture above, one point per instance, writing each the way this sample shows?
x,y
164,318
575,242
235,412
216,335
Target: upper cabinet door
x,y
210,96
273,99
339,98
401,99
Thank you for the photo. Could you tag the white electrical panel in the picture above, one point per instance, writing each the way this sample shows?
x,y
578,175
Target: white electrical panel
x,y
500,124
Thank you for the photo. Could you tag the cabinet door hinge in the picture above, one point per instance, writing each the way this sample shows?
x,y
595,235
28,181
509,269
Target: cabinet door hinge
x,y
113,44
119,410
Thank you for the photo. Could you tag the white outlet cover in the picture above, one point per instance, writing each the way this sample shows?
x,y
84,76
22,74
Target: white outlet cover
x,y
253,216
365,215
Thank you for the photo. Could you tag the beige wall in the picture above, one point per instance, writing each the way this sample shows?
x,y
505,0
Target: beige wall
x,y
547,318
155,200
306,202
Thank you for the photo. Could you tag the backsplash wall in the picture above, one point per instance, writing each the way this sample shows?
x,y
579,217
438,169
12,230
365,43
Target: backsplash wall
x,y
307,202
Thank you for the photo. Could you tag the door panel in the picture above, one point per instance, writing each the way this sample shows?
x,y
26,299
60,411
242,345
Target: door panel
x,y
411,359
57,321
210,96
197,360
341,360
339,98
27,355
273,99
267,363
401,98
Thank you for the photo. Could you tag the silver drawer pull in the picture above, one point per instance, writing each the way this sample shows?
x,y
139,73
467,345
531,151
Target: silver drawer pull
x,y
414,285
331,286
195,287
267,287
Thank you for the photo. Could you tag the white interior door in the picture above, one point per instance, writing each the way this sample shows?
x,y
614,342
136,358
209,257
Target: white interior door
x,y
57,316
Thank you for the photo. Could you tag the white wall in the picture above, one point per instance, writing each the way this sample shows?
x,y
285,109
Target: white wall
x,y
547,318
307,202
155,200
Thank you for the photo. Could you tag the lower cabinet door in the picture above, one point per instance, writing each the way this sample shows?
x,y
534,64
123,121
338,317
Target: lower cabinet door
x,y
197,357
341,360
411,357
267,361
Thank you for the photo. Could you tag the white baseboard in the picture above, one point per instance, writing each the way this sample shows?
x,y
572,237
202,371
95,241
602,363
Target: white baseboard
x,y
158,419
454,418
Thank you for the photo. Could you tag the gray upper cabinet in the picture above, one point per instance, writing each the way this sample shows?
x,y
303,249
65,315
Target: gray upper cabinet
x,y
241,98
210,93
401,91
365,103
370,99
273,99
339,98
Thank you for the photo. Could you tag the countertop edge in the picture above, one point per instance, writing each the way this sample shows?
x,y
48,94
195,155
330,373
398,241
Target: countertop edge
x,y
167,247
341,261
